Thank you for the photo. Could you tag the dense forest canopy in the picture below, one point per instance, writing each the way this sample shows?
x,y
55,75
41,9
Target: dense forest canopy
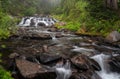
x,y
28,7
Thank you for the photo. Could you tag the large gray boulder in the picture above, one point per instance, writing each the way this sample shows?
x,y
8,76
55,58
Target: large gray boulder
x,y
114,36
32,70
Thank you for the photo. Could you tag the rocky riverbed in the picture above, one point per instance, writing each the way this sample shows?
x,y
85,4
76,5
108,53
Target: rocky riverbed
x,y
51,53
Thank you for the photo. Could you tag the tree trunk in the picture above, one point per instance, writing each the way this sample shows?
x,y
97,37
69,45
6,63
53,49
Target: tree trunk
x,y
113,4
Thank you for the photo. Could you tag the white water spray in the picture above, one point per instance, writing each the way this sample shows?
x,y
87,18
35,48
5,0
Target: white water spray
x,y
63,71
104,74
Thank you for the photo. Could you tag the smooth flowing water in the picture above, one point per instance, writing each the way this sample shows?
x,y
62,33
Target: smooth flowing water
x,y
105,73
63,71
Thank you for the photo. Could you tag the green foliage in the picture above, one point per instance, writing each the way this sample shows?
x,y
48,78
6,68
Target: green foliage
x,y
4,74
0,57
3,46
30,11
71,26
6,24
90,14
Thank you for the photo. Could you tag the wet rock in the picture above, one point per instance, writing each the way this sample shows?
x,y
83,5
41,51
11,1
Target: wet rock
x,y
46,58
84,63
32,23
95,65
31,70
84,75
58,35
113,36
53,29
96,76
36,33
45,48
80,62
114,63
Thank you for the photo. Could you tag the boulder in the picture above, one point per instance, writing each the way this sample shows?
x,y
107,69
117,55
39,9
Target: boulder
x,y
83,62
32,70
84,75
80,62
114,63
96,76
53,29
95,65
46,58
113,36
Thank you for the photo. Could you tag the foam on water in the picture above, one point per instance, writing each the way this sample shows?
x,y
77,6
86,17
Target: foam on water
x,y
81,49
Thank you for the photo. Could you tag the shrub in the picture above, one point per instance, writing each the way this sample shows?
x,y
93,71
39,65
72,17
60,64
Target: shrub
x,y
74,26
6,25
30,11
4,74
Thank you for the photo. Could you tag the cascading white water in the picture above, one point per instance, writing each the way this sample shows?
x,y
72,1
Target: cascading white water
x,y
47,21
104,74
25,22
22,22
63,71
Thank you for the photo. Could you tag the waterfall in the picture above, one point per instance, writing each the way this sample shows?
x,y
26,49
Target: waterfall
x,y
22,22
25,22
63,71
104,74
47,21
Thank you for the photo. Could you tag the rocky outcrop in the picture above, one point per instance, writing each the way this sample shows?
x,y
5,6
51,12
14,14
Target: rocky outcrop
x,y
83,63
43,67
95,65
113,36
48,59
32,70
36,33
85,67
